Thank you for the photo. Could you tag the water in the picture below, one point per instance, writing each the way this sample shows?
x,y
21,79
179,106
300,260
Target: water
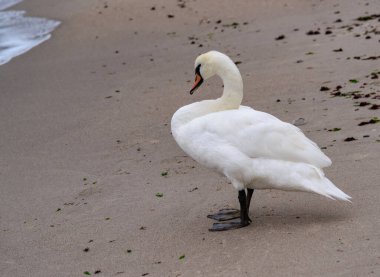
x,y
20,33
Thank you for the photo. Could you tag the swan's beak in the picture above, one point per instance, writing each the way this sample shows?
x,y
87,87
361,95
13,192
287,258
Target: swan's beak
x,y
198,82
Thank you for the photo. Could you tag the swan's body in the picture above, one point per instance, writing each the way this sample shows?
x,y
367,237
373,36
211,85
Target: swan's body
x,y
253,149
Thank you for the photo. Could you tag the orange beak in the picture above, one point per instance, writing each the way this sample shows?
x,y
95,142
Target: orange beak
x,y
198,82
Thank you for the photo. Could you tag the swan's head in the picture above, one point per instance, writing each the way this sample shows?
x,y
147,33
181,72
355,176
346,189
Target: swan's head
x,y
209,64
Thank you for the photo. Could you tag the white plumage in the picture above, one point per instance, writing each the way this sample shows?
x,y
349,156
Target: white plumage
x,y
252,149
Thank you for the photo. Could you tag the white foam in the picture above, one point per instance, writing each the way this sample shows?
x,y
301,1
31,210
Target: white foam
x,y
19,33
4,4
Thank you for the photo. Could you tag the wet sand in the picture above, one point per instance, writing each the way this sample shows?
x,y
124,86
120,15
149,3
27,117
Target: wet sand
x,y
86,149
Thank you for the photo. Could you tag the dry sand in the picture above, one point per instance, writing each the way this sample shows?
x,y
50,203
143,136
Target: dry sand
x,y
85,138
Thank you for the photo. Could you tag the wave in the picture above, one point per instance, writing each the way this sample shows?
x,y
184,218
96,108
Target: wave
x,y
20,33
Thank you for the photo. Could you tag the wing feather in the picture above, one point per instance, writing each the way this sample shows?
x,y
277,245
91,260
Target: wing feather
x,y
261,135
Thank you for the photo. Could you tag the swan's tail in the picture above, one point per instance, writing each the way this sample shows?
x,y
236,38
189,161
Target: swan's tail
x,y
326,188
286,175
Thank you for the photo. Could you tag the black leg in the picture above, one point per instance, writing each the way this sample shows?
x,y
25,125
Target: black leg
x,y
249,197
228,214
244,219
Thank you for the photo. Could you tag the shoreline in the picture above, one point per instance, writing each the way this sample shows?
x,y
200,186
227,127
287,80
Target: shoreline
x,y
21,33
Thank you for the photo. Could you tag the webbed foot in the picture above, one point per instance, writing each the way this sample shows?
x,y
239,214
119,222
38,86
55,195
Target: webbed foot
x,y
225,214
228,226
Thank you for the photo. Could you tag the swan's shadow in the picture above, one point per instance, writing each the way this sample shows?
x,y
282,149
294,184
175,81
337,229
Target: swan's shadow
x,y
303,217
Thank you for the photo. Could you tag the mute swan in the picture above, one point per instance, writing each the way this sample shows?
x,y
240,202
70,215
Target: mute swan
x,y
253,149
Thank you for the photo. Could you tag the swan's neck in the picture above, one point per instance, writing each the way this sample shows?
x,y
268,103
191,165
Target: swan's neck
x,y
231,98
233,88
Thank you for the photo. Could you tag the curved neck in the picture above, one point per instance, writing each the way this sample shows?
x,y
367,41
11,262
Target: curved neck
x,y
231,98
233,86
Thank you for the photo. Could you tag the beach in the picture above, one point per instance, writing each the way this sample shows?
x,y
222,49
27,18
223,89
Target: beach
x,y
93,183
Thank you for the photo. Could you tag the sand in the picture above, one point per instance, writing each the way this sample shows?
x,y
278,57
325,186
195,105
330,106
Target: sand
x,y
85,139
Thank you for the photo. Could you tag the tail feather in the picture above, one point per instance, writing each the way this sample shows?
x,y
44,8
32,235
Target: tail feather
x,y
286,175
325,187
335,192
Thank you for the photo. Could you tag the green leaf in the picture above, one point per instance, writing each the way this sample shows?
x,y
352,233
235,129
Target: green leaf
x,y
159,194
335,130
354,81
309,53
164,173
181,257
86,273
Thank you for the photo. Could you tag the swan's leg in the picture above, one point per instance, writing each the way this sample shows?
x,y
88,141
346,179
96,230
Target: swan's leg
x,y
249,197
228,214
244,219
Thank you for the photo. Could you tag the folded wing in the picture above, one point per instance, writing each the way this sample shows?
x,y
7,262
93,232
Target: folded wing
x,y
261,135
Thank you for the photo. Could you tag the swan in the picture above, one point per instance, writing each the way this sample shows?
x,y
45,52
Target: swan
x,y
253,149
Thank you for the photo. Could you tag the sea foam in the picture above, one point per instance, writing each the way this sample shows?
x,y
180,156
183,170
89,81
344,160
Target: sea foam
x,y
20,33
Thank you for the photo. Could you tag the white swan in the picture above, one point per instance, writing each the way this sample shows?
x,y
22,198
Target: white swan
x,y
253,149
